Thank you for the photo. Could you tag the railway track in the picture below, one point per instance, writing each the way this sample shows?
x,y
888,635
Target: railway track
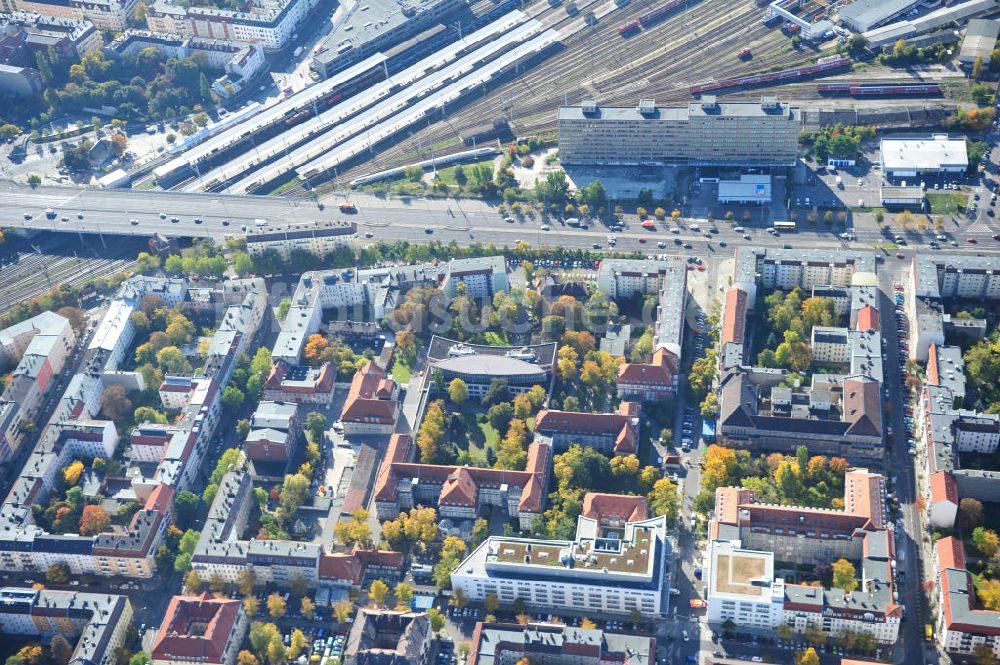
x,y
695,44
576,71
39,274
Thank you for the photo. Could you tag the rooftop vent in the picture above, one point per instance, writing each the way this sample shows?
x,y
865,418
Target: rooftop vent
x,y
589,106
709,102
647,106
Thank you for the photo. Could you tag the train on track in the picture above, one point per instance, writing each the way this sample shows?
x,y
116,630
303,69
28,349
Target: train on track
x,y
877,90
826,64
629,29
651,18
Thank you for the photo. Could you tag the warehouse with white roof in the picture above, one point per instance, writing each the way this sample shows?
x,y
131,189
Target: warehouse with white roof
x,y
904,157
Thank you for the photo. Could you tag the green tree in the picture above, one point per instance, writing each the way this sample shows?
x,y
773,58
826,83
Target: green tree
x,y
316,424
185,506
57,573
232,399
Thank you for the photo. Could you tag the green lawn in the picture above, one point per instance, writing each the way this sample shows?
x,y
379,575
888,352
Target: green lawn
x,y
947,203
447,174
401,372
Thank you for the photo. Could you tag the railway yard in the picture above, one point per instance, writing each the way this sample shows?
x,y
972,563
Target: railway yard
x,y
413,102
52,259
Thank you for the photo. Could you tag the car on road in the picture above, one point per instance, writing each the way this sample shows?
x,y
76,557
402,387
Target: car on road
x,y
661,244
509,220
163,215
64,219
900,255
225,222
27,216
428,229
198,220
369,234
133,222
545,227
971,240
174,220
685,635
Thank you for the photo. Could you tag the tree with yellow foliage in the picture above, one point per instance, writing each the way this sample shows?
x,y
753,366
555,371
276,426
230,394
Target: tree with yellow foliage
x,y
276,606
71,474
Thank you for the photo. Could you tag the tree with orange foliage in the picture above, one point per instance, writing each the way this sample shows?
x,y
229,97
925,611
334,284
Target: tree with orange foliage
x,y
315,347
838,465
817,465
94,520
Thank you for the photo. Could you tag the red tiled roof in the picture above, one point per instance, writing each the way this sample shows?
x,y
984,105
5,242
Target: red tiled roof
x,y
160,498
867,318
399,450
627,508
196,629
630,409
735,317
950,553
592,424
943,488
460,485
351,566
932,366
659,373
364,400
276,375
863,494
728,501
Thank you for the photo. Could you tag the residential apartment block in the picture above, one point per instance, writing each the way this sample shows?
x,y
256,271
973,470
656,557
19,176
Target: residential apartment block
x,y
275,431
551,644
786,269
111,15
38,347
222,552
366,296
460,492
300,383
95,622
705,132
319,241
166,457
593,573
961,625
938,277
625,278
748,537
268,23
389,636
200,629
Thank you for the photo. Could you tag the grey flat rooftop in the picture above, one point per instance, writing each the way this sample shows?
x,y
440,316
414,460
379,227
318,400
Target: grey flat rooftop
x,y
676,113
871,12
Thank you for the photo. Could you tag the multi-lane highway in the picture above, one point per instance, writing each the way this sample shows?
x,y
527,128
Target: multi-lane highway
x,y
413,219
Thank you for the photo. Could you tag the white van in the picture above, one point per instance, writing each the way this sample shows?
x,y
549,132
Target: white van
x,y
694,227
738,229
